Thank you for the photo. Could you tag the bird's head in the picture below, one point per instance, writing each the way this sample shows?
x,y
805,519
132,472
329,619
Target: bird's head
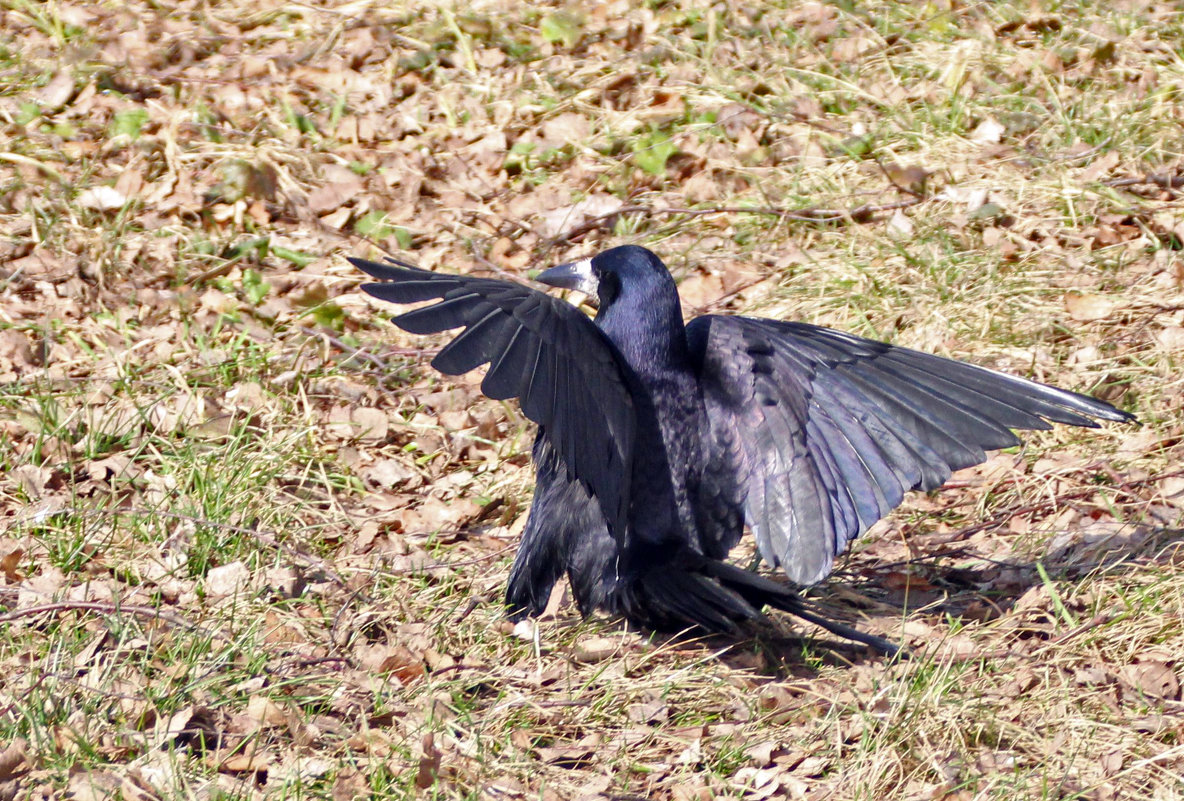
x,y
626,273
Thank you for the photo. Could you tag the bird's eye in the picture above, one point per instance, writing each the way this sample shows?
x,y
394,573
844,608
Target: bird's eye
x,y
609,286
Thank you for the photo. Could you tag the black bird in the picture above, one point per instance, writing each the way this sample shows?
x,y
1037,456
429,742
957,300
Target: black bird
x,y
659,441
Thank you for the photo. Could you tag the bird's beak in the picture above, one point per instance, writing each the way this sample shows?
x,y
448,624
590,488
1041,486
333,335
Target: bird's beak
x,y
576,275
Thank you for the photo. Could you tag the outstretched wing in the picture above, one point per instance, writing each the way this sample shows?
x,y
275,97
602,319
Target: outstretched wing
x,y
541,350
836,428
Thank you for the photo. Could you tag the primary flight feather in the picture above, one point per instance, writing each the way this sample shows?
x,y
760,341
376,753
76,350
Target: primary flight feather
x,y
658,440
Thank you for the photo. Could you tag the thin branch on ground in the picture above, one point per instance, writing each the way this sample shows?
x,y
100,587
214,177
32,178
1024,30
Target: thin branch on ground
x,y
814,214
107,608
1162,180
999,519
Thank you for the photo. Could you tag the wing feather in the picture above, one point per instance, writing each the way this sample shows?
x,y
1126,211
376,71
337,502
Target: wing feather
x,y
836,428
567,375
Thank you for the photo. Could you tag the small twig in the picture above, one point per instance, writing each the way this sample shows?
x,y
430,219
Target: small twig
x,y
110,609
1093,151
27,161
807,214
470,607
1052,642
1162,180
323,660
266,539
493,268
1095,622
355,352
296,555
1125,487
459,666
727,296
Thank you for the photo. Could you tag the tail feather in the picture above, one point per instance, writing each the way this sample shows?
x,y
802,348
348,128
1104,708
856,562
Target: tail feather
x,y
716,596
672,600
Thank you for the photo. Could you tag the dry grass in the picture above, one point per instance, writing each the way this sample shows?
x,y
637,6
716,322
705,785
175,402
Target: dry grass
x,y
254,547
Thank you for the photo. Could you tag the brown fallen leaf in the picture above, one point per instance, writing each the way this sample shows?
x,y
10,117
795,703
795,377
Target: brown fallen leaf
x,y
988,131
1087,307
595,649
97,785
1112,762
57,92
102,198
911,178
370,424
397,660
692,792
565,128
1100,168
429,764
251,762
1171,338
698,291
654,711
899,226
761,754
1153,679
11,554
568,756
332,196
226,580
264,711
14,759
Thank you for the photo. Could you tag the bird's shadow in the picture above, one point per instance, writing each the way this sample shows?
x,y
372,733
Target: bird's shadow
x,y
941,589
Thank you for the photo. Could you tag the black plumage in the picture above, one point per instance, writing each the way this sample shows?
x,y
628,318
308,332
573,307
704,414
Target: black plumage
x,y
659,441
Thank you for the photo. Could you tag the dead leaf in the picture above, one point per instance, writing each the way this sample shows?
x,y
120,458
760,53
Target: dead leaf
x,y
692,755
576,755
251,762
57,92
1112,762
700,290
911,178
369,424
737,118
1171,338
194,726
595,649
264,711
332,196
429,764
566,128
525,629
387,473
14,759
1154,679
1087,307
1171,491
226,580
556,221
32,479
902,581
761,754
397,660
129,183
11,554
812,766
899,226
1100,168
645,712
1092,675
988,131
93,785
695,791
102,198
